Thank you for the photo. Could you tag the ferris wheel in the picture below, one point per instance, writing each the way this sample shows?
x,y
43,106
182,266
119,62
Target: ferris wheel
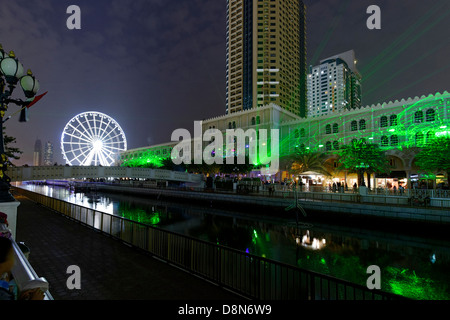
x,y
92,138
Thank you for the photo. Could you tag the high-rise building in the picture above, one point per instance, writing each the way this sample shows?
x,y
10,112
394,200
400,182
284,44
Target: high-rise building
x,y
334,85
37,156
48,154
266,55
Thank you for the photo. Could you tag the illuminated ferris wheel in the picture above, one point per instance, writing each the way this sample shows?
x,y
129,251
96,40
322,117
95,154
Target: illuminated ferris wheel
x,y
92,139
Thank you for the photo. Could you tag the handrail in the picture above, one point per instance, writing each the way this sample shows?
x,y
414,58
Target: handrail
x,y
22,271
250,275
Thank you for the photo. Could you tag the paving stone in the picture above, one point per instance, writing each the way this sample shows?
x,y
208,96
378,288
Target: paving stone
x,y
110,270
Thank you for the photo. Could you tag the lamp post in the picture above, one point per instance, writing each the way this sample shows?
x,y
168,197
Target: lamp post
x,y
11,74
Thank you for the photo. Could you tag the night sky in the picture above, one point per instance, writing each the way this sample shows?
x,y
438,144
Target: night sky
x,y
158,65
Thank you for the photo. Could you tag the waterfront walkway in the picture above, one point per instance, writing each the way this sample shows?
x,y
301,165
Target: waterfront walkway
x,y
110,270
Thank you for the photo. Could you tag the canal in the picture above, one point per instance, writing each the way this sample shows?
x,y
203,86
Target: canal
x,y
413,265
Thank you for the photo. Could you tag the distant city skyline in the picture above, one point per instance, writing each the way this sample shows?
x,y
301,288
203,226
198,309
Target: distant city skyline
x,y
155,65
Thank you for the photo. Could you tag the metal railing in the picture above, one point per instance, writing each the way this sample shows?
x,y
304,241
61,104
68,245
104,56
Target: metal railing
x,y
249,275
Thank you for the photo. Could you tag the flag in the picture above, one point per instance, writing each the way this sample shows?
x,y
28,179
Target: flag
x,y
24,112
36,99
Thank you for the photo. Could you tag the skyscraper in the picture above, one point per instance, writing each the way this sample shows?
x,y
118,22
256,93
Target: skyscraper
x,y
37,156
266,55
48,154
334,85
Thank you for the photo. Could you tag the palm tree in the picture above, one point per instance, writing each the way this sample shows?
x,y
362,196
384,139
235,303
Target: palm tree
x,y
305,160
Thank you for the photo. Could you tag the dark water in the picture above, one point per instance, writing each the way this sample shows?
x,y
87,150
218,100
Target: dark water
x,y
411,265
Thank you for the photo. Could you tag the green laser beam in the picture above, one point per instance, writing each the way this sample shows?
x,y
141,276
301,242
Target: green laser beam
x,y
329,33
419,81
387,51
394,75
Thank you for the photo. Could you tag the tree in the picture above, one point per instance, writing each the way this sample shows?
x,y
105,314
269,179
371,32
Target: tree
x,y
361,157
167,164
246,167
305,160
435,156
10,151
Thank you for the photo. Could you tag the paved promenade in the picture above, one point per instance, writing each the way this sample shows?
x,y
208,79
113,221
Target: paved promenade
x,y
110,270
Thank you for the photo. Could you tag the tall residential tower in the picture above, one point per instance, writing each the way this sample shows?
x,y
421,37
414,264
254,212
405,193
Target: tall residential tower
x,y
334,85
266,55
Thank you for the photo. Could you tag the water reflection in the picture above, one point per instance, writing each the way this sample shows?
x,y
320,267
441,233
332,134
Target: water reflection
x,y
412,266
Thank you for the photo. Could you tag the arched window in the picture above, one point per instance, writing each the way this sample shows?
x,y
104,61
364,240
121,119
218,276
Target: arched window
x,y
354,126
418,117
258,120
328,146
384,141
430,115
336,145
253,121
419,138
296,134
234,125
229,125
362,124
394,140
335,128
393,120
383,122
302,132
328,129
430,136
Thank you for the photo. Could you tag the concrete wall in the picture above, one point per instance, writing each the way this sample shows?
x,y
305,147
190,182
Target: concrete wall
x,y
364,209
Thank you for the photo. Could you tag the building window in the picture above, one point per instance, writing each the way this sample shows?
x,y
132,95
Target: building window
x,y
393,120
258,121
234,125
354,126
296,134
394,140
383,122
328,129
418,117
328,146
229,125
419,138
362,124
384,141
430,115
253,121
336,145
430,136
302,132
335,128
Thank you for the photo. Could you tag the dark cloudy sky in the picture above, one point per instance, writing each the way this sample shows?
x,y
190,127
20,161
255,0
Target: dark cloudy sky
x,y
158,65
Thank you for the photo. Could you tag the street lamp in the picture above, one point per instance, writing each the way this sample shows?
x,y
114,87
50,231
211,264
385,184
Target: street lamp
x,y
12,73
